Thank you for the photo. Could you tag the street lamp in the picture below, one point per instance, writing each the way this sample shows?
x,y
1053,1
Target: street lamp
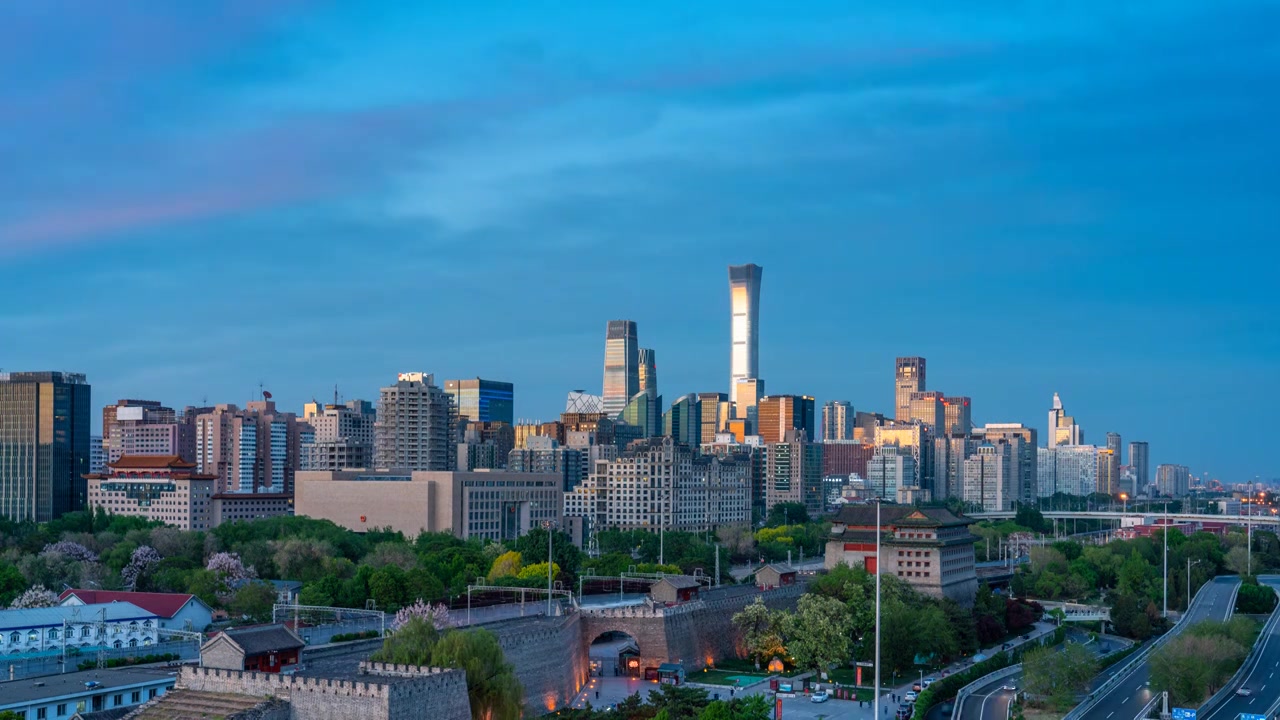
x,y
1166,561
1124,498
1189,564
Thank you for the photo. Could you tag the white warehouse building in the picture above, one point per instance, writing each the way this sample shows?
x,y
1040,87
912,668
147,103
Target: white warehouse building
x,y
44,631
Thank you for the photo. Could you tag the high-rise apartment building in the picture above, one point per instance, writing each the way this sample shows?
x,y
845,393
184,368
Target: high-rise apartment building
x,y
1023,463
1140,459
909,377
414,429
683,421
1067,469
744,302
257,449
1173,480
341,436
145,427
728,489
1115,446
548,457
779,414
927,407
837,420
1063,429
97,454
621,366
889,469
957,415
793,474
912,439
480,400
648,371
713,415
647,483
988,479
44,444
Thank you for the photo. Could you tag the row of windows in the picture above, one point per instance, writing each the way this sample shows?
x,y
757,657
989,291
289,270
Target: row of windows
x,y
55,633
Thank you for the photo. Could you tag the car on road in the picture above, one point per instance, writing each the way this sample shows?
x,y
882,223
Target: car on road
x,y
929,681
1244,692
1009,688
910,696
820,696
905,711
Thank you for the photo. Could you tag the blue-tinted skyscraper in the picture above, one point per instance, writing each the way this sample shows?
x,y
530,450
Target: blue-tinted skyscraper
x,y
44,444
621,365
483,400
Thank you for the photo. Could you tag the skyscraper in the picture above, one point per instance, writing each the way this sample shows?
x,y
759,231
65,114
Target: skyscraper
x,y
1108,471
621,365
988,479
414,429
1063,429
1140,459
648,377
483,400
1113,444
837,420
744,300
1023,465
957,415
1173,480
683,422
44,444
712,415
780,413
909,377
341,436
927,408
145,427
257,449
746,406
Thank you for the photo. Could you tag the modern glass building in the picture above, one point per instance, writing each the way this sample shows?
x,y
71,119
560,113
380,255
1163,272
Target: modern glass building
x,y
621,366
44,444
779,413
837,420
648,371
908,378
744,300
683,422
483,400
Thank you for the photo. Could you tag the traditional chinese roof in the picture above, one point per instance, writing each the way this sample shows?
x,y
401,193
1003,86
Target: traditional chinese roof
x,y
681,582
152,461
896,516
261,639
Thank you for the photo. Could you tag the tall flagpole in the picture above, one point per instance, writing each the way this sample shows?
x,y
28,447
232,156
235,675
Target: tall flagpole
x,y
877,690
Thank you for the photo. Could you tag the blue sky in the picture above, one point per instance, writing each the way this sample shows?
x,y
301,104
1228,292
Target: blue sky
x,y
1038,197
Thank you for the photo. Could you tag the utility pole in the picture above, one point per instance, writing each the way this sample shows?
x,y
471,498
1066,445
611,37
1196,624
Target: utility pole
x,y
1166,560
548,524
717,564
877,689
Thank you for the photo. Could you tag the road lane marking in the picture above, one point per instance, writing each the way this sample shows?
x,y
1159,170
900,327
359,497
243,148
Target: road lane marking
x,y
1113,712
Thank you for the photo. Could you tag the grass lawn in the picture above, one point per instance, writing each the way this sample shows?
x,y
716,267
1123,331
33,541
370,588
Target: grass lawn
x,y
725,677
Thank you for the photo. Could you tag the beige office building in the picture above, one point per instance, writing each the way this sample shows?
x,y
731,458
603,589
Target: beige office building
x,y
485,504
155,487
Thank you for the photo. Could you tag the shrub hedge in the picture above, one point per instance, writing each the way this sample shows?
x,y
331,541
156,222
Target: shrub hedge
x,y
950,685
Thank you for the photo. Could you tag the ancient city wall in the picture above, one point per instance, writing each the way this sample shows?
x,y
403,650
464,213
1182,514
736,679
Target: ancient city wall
x,y
549,657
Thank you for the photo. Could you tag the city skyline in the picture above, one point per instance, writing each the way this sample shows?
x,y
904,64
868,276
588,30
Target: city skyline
x,y
840,150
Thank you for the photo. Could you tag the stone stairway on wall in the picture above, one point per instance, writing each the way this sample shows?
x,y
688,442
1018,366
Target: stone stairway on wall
x,y
192,705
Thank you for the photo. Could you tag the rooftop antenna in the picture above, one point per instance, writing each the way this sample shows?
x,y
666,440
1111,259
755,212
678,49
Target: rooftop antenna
x,y
335,393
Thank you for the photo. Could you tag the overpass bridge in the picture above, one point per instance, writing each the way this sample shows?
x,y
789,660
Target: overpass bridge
x,y
1272,521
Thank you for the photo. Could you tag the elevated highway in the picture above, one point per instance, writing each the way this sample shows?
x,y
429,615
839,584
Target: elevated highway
x,y
1272,521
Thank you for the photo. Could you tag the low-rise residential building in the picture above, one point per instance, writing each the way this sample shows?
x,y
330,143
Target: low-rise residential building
x,y
89,691
156,487
926,547
46,631
230,507
176,611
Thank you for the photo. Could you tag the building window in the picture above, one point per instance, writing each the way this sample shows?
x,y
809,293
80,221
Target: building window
x,y
42,713
151,693
62,710
135,696
53,633
118,700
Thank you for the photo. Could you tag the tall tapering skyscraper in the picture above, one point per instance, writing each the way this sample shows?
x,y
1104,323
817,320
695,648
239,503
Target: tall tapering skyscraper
x,y
648,378
621,365
908,378
744,301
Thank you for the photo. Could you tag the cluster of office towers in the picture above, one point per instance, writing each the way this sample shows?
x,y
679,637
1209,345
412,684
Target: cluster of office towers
x,y
622,458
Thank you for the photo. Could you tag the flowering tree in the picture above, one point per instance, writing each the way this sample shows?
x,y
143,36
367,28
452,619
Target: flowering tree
x,y
35,597
141,563
437,615
229,568
71,550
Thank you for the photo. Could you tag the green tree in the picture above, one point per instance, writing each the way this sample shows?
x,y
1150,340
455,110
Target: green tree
x,y
787,514
492,687
388,587
507,564
1237,560
537,571
679,702
12,583
761,630
253,600
1194,665
818,632
411,644
1058,674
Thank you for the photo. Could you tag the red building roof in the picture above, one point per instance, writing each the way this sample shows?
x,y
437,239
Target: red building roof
x,y
162,604
153,461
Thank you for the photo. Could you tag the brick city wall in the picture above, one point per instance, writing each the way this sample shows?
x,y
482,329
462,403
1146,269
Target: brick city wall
x,y
693,634
549,657
437,693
